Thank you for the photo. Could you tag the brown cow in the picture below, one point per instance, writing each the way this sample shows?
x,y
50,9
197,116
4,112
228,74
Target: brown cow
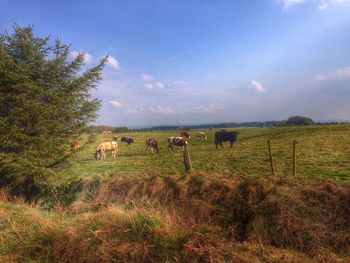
x,y
75,145
185,134
152,145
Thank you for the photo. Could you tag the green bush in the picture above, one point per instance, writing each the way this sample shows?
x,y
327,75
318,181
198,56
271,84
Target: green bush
x,y
299,120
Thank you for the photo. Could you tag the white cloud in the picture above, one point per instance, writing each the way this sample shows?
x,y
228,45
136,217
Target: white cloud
x,y
126,108
257,86
321,4
289,3
343,73
113,62
146,77
150,83
337,74
87,56
162,110
115,104
73,54
207,109
320,77
154,85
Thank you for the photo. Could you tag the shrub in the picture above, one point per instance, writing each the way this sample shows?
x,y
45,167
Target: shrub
x,y
299,120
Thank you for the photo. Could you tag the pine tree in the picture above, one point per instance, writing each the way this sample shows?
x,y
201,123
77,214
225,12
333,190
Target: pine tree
x,y
45,101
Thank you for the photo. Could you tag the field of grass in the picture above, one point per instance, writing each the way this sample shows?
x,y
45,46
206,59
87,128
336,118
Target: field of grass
x,y
143,207
322,151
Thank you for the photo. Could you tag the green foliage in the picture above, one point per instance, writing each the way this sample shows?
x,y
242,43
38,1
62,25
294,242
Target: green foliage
x,y
299,120
45,102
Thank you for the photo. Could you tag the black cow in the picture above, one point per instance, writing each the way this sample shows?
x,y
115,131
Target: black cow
x,y
225,136
127,140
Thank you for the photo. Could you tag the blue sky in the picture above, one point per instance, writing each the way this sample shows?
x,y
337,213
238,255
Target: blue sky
x,y
204,61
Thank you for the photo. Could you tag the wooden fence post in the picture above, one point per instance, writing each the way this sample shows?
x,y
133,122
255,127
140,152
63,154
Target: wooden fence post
x,y
294,158
187,159
271,160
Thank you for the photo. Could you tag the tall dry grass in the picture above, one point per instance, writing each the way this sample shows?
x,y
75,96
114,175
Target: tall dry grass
x,y
198,218
301,214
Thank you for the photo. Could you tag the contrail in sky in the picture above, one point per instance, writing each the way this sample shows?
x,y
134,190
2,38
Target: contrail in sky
x,y
170,58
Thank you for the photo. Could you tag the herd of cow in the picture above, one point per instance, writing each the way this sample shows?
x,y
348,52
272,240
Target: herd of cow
x,y
153,146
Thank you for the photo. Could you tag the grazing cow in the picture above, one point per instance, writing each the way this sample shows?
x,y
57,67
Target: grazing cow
x,y
201,135
127,140
106,146
106,132
225,136
75,145
185,134
114,138
177,141
152,145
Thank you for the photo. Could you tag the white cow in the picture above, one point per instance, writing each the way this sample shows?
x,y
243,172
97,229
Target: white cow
x,y
201,135
106,146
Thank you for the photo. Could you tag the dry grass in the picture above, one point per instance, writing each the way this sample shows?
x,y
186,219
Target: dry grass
x,y
198,218
306,216
119,235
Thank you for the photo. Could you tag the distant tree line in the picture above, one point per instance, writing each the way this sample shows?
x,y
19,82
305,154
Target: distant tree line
x,y
291,121
113,129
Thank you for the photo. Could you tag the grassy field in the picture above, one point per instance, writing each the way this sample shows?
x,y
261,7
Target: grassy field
x,y
322,151
142,207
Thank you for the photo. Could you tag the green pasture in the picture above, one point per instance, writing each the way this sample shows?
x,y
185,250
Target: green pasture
x,y
322,151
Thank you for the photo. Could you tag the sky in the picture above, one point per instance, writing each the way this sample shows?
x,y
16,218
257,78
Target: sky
x,y
204,61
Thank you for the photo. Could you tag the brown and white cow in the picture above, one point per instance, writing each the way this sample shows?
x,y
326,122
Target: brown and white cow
x,y
106,132
176,141
152,144
185,134
106,146
201,135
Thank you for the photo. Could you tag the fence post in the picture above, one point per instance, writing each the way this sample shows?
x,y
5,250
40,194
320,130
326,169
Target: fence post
x,y
187,159
294,158
271,160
